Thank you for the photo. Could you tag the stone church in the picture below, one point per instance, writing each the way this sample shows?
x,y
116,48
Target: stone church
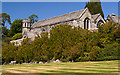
x,y
113,18
82,18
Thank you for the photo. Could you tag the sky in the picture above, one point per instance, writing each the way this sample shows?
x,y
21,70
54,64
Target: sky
x,y
45,10
58,0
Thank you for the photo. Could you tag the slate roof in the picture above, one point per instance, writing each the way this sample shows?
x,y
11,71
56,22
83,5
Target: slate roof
x,y
95,16
62,18
115,19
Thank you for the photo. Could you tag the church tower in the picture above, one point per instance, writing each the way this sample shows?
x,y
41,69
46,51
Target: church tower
x,y
25,26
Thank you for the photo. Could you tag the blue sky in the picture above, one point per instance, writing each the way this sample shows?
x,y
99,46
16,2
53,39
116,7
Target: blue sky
x,y
45,10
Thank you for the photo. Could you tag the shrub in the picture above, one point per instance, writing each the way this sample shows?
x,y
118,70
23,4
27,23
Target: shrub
x,y
67,44
9,52
17,36
94,53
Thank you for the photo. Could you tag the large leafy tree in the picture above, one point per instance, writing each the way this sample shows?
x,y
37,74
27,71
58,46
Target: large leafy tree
x,y
16,27
33,18
5,17
95,7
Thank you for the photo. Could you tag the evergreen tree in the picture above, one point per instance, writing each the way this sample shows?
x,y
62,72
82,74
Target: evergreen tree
x,y
95,7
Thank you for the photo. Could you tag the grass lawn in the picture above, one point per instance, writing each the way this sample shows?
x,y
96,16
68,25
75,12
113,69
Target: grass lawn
x,y
73,67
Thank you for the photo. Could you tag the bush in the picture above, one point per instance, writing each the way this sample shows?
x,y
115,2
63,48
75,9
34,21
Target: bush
x,y
17,36
67,44
94,53
9,52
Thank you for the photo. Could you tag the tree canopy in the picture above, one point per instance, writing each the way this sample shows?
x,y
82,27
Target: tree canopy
x,y
95,7
68,44
5,17
16,27
33,18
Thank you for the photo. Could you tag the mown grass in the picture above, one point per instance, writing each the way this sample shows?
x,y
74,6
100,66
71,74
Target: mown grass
x,y
73,67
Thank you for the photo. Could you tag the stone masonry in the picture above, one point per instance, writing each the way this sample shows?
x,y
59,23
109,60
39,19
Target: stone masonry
x,y
82,18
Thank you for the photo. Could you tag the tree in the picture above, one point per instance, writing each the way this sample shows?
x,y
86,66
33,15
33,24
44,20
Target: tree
x,y
4,31
94,52
16,27
109,52
5,17
5,37
108,33
33,18
95,7
9,52
67,44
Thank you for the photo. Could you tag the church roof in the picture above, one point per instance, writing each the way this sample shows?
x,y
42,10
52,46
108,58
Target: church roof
x,y
58,19
95,16
115,19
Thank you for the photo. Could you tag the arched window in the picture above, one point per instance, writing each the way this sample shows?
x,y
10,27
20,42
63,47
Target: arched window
x,y
25,24
86,23
100,22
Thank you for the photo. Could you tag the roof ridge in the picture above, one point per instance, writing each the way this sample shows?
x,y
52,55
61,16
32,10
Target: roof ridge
x,y
60,18
61,15
96,14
